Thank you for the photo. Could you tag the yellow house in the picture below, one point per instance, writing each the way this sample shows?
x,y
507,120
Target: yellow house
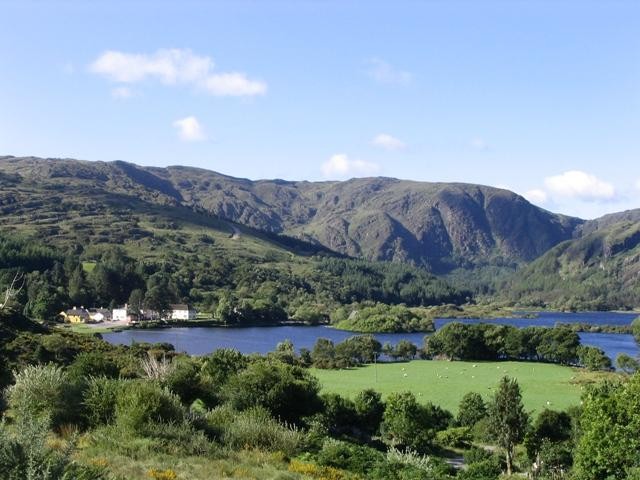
x,y
75,315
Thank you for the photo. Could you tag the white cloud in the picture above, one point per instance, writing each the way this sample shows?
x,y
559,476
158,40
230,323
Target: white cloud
x,y
479,143
637,184
388,142
384,72
121,92
189,129
579,185
536,195
340,166
175,67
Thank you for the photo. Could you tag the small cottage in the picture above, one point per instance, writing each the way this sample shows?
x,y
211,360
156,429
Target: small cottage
x,y
75,315
124,314
100,315
183,312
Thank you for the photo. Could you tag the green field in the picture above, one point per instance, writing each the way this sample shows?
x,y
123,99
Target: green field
x,y
444,383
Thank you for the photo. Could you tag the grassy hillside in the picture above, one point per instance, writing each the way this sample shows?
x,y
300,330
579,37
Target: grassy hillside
x,y
447,227
130,230
598,271
444,383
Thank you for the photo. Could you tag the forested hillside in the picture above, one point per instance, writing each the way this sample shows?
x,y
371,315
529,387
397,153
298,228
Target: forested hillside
x,y
79,239
597,271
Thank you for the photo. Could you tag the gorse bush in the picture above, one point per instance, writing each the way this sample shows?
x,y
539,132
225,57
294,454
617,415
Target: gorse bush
x,y
139,404
348,456
255,428
99,400
26,455
45,392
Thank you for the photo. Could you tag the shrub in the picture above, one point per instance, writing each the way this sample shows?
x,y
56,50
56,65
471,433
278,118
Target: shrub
x,y
183,379
454,437
485,470
94,364
369,408
348,456
315,471
25,455
162,474
471,410
288,392
45,392
142,403
99,399
255,428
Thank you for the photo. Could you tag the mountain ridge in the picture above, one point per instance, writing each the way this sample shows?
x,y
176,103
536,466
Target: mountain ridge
x,y
441,226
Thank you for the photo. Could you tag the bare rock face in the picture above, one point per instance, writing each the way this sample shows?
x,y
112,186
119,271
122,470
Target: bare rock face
x,y
438,225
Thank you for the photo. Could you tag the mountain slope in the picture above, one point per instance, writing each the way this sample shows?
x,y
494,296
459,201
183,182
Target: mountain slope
x,y
125,222
599,270
439,225
442,226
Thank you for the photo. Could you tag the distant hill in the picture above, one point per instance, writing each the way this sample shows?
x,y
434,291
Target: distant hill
x,y
599,270
129,228
443,226
477,236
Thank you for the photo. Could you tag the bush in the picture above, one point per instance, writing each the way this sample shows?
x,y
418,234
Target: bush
x,y
142,403
369,408
408,424
44,392
348,456
454,437
25,454
99,400
94,364
338,414
471,410
255,428
489,469
183,379
288,392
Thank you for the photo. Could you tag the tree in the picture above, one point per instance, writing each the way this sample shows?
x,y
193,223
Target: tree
x,y
627,363
593,358
369,408
136,300
407,424
287,391
78,287
471,410
507,419
12,291
405,350
550,428
635,329
609,446
323,353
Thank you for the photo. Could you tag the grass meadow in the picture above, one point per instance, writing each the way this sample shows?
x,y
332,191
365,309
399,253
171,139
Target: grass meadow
x,y
444,383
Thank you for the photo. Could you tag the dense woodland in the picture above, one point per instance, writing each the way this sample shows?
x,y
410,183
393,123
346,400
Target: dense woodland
x,y
234,290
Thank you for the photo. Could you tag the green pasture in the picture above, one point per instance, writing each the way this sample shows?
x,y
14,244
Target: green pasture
x,y
444,383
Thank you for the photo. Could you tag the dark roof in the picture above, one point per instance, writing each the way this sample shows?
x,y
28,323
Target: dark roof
x,y
81,312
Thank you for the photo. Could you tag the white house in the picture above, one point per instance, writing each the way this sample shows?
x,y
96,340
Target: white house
x,y
99,315
122,314
183,312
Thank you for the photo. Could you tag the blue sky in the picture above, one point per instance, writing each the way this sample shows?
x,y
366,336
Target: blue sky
x,y
542,98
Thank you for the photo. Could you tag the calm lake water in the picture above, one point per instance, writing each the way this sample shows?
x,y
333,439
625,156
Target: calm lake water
x,y
203,340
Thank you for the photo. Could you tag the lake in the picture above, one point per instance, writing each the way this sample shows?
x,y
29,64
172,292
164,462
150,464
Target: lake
x,y
203,340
